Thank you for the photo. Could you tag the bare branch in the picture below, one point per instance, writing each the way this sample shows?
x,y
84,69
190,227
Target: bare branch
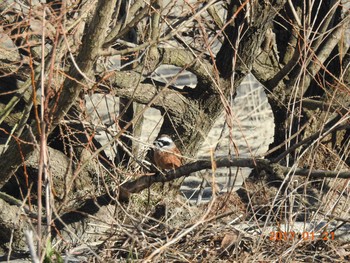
x,y
93,40
146,181
185,59
162,97
117,32
329,127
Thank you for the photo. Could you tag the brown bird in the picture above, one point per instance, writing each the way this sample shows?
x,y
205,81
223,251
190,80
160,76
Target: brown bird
x,y
166,154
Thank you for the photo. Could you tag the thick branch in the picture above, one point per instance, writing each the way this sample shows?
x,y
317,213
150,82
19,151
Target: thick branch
x,y
162,98
245,34
146,181
185,59
93,39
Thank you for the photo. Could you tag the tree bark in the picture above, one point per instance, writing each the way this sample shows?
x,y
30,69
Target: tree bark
x,y
93,39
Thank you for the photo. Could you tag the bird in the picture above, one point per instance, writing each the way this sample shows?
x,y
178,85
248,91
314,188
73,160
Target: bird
x,y
166,155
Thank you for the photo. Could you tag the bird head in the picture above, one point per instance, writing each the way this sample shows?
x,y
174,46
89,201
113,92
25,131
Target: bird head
x,y
164,142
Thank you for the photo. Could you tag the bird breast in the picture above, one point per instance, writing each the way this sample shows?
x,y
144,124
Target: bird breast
x,y
167,160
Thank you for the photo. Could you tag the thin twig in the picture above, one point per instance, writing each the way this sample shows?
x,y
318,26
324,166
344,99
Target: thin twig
x,y
30,242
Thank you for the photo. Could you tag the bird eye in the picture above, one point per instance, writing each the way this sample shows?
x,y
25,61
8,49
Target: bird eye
x,y
164,143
